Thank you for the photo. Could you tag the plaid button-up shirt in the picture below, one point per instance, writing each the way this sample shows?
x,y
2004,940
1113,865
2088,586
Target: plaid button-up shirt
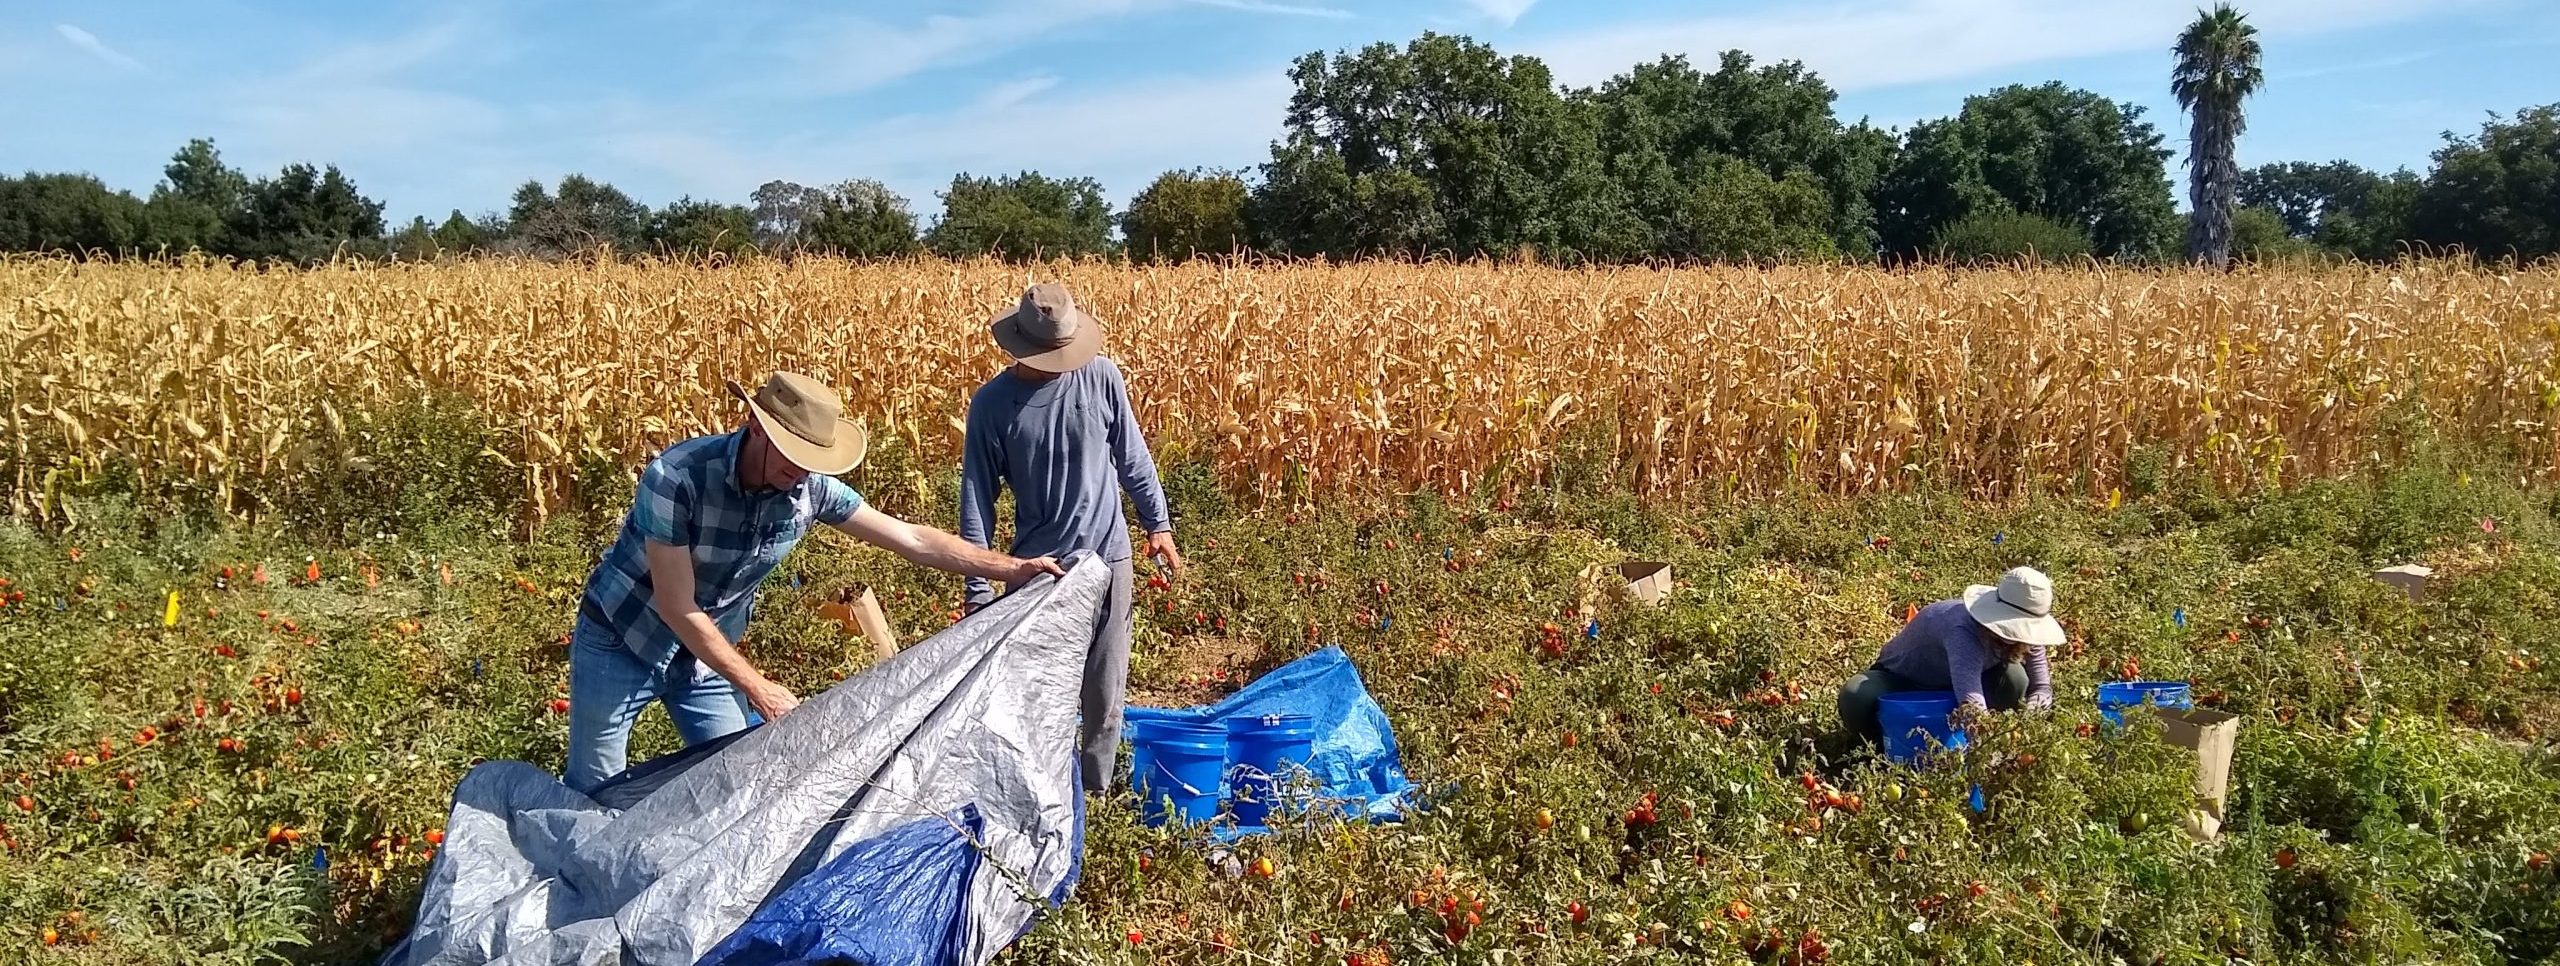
x,y
689,497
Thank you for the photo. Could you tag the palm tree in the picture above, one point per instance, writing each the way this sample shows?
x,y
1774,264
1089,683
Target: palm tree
x,y
2217,69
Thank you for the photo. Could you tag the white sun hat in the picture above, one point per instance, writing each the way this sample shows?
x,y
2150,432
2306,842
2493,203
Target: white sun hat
x,y
2020,609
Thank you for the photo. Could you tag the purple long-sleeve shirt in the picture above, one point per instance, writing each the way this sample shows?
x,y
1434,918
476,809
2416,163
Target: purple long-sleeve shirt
x,y
1944,648
1068,448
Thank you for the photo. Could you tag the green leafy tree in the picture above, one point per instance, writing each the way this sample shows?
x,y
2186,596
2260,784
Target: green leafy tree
x,y
2217,69
197,198
2260,235
781,209
857,219
1442,146
1184,214
305,215
1728,210
703,227
2000,236
1310,204
1665,122
2302,194
1022,216
2068,155
414,242
2378,225
72,213
459,235
583,216
2497,193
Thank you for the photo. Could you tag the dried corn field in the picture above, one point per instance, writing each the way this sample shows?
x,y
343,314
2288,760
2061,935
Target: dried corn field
x,y
1447,377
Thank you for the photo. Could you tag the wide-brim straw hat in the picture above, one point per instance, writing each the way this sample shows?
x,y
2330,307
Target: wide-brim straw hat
x,y
805,421
2020,609
1047,331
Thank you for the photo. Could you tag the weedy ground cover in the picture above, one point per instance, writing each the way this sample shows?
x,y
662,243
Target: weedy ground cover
x,y
219,744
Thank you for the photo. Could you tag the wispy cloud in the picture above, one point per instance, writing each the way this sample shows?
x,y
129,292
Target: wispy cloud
x,y
1121,135
373,104
98,48
1015,91
1284,9
862,53
1502,12
2355,67
1866,44
374,60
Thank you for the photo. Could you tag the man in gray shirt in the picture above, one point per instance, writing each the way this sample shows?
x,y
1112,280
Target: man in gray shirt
x,y
1057,428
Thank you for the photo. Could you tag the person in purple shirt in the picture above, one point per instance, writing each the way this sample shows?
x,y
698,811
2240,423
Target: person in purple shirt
x,y
1987,646
1056,428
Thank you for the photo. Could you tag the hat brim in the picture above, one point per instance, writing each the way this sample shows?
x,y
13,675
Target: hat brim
x,y
1079,351
841,457
1997,616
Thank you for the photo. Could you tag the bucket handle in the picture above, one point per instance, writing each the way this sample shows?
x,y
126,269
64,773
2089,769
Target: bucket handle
x,y
1186,787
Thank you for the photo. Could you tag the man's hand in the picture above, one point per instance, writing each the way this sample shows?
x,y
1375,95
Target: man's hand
x,y
1160,546
769,699
1025,569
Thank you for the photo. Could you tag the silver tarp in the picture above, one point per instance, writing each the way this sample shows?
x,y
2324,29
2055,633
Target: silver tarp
x,y
663,868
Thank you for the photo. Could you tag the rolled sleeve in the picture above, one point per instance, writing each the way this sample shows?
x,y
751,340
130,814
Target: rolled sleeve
x,y
832,501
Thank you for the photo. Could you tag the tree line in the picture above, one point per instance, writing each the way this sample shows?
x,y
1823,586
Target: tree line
x,y
1444,147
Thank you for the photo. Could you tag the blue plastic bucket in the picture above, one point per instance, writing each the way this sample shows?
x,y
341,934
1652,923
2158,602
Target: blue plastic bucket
x,y
1176,762
2115,696
1912,719
1263,754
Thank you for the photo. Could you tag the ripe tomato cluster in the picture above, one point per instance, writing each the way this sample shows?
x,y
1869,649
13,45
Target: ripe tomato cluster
x,y
1551,639
1644,815
1774,695
1776,945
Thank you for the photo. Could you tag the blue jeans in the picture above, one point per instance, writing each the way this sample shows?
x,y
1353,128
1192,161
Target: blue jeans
x,y
609,687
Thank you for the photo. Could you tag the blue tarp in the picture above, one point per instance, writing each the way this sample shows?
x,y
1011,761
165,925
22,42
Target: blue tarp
x,y
1355,764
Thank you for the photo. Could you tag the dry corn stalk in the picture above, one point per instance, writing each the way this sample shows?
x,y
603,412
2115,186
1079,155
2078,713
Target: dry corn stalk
x,y
1440,377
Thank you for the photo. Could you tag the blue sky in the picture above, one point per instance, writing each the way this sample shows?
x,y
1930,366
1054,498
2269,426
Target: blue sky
x,y
436,107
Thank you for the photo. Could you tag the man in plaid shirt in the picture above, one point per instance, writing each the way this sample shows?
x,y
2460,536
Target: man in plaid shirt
x,y
664,610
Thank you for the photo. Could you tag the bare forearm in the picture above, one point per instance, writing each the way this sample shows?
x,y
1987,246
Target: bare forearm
x,y
695,630
944,551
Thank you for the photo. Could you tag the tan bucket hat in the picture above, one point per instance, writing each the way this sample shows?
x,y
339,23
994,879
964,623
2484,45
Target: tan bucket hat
x,y
806,422
1047,331
2020,609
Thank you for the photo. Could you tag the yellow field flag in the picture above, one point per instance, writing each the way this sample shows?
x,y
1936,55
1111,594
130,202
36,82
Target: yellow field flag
x,y
169,618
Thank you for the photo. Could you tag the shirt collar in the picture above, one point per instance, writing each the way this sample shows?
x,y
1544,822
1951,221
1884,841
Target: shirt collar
x,y
737,447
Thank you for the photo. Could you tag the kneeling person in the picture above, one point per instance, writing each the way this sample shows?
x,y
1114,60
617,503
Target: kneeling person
x,y
664,610
1987,646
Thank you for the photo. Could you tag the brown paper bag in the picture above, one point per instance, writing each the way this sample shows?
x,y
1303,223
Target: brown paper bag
x,y
858,611
2210,734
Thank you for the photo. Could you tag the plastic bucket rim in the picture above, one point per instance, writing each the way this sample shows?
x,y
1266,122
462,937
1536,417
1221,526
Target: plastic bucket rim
x,y
1271,724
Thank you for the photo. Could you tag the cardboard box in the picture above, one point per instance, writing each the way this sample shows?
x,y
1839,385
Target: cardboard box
x,y
1644,581
2410,578
2210,734
859,613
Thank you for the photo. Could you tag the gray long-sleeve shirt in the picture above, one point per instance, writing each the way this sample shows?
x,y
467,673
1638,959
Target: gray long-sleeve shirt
x,y
1944,648
1068,448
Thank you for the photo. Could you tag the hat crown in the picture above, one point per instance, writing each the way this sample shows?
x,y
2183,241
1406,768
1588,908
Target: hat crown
x,y
2027,589
804,406
1047,316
